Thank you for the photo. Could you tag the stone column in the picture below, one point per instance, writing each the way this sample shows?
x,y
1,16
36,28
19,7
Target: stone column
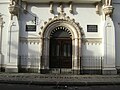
x,y
109,42
40,55
13,40
75,66
47,54
79,56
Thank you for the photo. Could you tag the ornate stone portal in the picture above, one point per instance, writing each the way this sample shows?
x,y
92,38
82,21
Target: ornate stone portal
x,y
13,34
73,28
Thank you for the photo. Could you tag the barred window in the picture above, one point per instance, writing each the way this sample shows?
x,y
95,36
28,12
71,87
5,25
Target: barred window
x,y
92,28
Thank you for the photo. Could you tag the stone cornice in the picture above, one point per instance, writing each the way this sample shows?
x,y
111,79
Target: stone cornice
x,y
34,40
92,41
30,40
64,1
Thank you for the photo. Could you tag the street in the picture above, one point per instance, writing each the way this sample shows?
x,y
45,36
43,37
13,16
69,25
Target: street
x,y
35,87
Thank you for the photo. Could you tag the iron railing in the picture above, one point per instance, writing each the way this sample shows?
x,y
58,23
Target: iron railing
x,y
91,64
88,64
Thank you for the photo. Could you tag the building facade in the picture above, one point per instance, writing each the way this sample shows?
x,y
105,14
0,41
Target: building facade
x,y
60,36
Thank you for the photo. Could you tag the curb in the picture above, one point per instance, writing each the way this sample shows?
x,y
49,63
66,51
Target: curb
x,y
58,83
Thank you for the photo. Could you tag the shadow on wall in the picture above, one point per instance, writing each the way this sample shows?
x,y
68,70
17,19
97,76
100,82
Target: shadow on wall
x,y
29,58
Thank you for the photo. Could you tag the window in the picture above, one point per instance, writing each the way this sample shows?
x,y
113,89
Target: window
x,y
92,28
30,27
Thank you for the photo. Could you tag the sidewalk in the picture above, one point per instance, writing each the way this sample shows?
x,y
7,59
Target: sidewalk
x,y
52,79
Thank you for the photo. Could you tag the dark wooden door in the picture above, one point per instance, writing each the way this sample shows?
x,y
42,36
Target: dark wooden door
x,y
61,53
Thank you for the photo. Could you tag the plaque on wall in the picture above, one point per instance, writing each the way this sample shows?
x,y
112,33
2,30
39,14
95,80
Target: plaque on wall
x,y
92,28
30,27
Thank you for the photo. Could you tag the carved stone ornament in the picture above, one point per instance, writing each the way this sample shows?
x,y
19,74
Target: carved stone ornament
x,y
14,8
107,2
61,19
51,7
98,5
108,10
71,7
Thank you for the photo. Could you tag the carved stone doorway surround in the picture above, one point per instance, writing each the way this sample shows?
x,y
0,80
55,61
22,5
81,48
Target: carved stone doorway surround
x,y
73,28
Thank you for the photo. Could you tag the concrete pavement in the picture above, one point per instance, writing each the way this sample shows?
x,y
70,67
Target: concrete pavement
x,y
54,79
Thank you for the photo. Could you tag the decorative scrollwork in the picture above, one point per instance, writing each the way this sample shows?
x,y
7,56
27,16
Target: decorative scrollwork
x,y
108,10
61,18
13,7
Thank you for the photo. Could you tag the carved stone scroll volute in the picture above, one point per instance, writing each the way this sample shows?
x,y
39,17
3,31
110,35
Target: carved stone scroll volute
x,y
14,8
108,8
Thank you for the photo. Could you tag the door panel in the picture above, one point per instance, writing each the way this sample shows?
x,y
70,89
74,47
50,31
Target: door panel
x,y
60,53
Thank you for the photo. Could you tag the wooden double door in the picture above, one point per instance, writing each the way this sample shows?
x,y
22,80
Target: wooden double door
x,y
60,53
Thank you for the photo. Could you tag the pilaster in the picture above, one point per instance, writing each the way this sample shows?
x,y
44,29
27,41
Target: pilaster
x,y
13,40
45,56
1,54
109,42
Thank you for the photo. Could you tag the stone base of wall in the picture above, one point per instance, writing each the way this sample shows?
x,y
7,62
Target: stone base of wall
x,y
109,72
11,70
118,71
28,70
2,69
76,72
92,71
44,71
60,71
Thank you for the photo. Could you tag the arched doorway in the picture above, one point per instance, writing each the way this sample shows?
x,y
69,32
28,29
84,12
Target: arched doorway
x,y
60,33
60,50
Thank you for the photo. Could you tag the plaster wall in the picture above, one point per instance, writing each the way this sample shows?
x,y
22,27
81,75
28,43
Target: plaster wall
x,y
84,14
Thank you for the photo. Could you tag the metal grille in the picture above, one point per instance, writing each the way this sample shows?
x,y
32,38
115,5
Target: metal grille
x,y
91,65
29,63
